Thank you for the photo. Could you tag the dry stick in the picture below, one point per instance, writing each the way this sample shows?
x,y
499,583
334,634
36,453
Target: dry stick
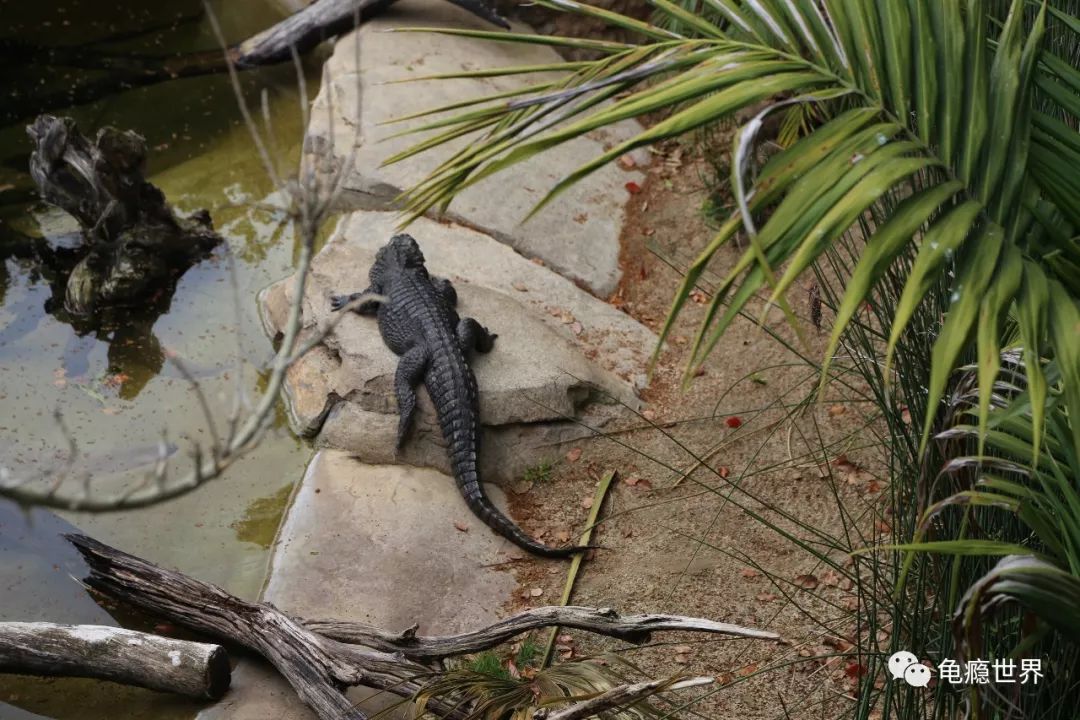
x,y
316,664
188,668
575,564
621,697
308,213
602,621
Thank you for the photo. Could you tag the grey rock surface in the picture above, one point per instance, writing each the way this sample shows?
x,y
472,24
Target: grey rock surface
x,y
577,235
537,378
356,544
358,534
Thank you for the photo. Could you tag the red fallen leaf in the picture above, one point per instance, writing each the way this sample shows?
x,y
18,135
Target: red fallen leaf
x,y
747,670
633,188
854,670
724,471
766,597
733,422
806,582
574,455
461,527
749,573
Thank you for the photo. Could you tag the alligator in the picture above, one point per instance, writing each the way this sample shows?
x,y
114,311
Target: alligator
x,y
418,321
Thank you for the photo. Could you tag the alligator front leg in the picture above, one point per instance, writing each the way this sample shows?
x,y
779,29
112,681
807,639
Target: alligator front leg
x,y
474,336
368,307
410,371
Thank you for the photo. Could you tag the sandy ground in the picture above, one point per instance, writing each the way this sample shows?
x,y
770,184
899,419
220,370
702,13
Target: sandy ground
x,y
695,548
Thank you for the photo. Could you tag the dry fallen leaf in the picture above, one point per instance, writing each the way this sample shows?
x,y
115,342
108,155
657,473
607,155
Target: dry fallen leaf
x,y
749,573
536,592
520,287
461,527
649,415
766,596
576,328
587,503
835,410
574,455
806,582
627,162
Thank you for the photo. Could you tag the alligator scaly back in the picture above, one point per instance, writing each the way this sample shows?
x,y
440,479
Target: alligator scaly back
x,y
419,322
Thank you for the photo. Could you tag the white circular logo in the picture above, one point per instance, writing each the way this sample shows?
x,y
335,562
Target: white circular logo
x,y
899,662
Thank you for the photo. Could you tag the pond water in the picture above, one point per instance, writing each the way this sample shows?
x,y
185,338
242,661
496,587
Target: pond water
x,y
115,389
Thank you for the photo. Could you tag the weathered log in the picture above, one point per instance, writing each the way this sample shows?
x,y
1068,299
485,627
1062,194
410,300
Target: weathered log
x,y
135,246
198,670
319,667
303,30
602,621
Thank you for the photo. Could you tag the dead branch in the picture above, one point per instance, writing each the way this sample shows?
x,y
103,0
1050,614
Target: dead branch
x,y
602,621
319,666
309,202
621,697
194,669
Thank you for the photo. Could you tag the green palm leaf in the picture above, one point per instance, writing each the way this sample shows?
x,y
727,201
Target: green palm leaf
x,y
934,133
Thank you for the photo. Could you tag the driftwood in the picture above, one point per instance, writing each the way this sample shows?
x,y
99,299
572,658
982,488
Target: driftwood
x,y
194,669
134,245
602,621
114,71
320,667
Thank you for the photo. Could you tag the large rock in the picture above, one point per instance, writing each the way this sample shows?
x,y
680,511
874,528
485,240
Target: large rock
x,y
536,380
361,540
379,544
577,235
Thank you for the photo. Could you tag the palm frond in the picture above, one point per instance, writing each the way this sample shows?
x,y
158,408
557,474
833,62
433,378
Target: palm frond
x,y
931,104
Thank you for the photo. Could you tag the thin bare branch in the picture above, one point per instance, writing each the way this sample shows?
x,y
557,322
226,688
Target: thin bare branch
x,y
621,697
602,621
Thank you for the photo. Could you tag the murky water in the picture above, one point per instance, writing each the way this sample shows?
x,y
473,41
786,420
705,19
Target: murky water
x,y
117,392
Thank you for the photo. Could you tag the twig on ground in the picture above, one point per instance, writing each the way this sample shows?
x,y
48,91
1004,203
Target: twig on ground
x,y
319,659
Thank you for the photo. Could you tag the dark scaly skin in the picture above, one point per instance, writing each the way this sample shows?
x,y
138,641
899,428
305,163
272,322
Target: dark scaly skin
x,y
418,321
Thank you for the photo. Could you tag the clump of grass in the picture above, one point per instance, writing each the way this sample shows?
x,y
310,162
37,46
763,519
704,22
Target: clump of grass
x,y
528,654
541,472
488,663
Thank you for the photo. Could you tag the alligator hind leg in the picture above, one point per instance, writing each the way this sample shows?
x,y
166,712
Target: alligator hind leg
x,y
368,307
446,290
474,336
410,371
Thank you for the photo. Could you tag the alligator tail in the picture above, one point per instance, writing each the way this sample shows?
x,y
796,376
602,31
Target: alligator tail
x,y
453,391
469,485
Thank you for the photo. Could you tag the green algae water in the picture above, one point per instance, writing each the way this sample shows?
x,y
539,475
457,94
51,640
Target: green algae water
x,y
118,393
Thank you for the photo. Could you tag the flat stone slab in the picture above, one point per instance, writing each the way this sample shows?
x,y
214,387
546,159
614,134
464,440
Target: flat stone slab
x,y
539,374
381,544
577,235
